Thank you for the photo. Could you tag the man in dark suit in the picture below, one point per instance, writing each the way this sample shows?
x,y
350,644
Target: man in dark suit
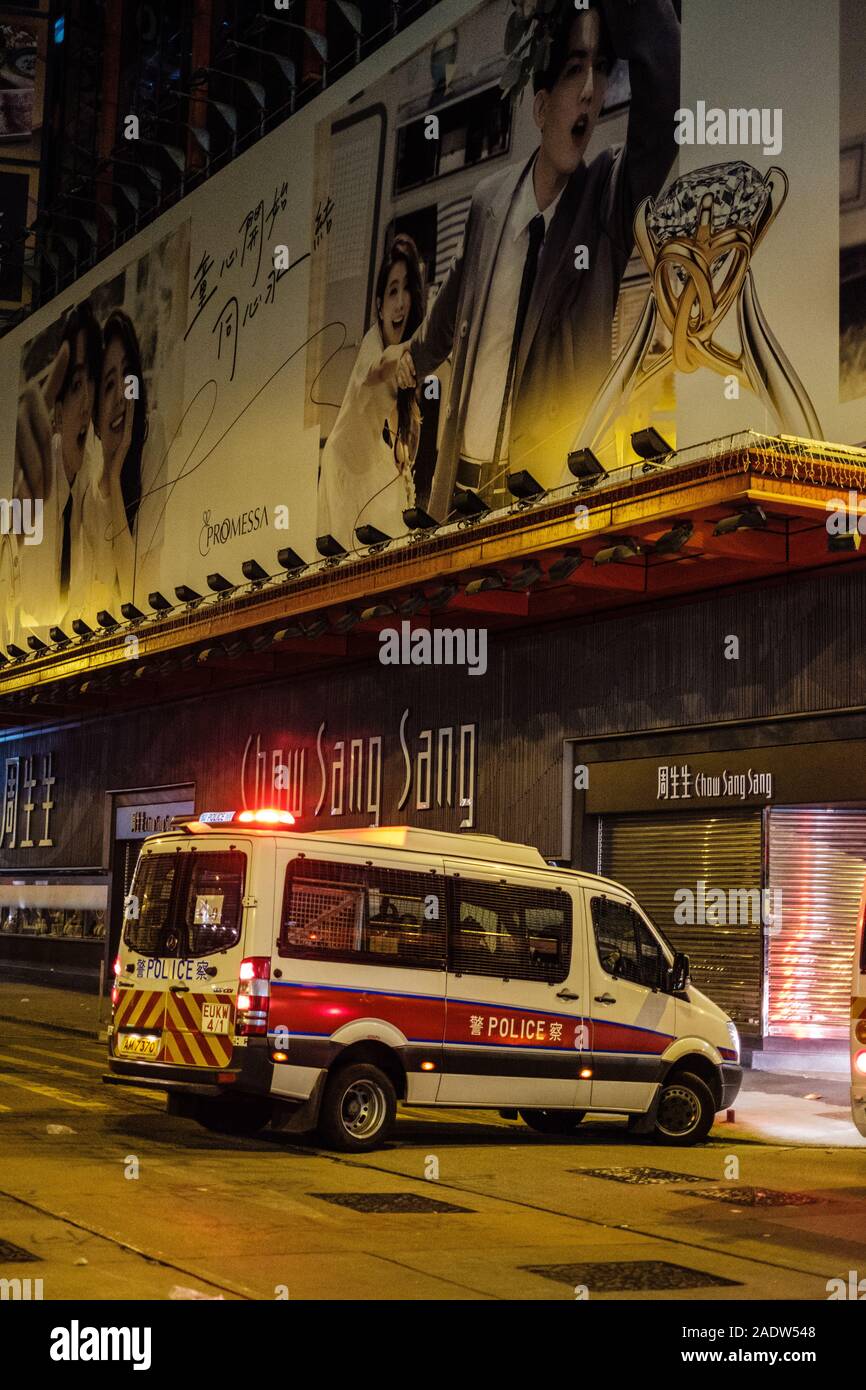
x,y
526,311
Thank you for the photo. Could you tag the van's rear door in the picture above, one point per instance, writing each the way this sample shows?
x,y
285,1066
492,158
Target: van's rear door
x,y
183,942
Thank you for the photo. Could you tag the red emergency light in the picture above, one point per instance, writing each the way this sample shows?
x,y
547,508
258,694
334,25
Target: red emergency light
x,y
267,816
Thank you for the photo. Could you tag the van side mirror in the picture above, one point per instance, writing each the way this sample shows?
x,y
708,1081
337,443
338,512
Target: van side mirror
x,y
678,975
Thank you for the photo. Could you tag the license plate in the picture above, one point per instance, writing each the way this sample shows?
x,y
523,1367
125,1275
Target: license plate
x,y
137,1045
216,1018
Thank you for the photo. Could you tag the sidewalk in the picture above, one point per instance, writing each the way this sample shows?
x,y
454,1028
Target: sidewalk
x,y
783,1107
62,1010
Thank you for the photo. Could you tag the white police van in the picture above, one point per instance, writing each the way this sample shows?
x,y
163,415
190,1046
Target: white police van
x,y
315,980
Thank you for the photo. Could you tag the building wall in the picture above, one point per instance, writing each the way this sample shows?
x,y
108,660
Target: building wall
x,y
653,670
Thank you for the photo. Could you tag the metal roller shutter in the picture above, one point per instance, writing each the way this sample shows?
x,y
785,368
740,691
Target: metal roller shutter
x,y
818,864
656,855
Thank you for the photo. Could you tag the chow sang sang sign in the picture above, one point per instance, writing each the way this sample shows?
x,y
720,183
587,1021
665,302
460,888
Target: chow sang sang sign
x,y
435,769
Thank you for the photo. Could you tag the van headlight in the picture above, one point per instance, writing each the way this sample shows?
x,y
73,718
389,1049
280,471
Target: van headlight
x,y
735,1038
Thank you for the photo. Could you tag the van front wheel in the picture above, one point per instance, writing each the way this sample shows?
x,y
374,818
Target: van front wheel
x,y
686,1111
358,1108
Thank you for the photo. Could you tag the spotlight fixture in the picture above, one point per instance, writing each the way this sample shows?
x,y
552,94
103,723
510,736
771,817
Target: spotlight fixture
x,y
261,641
750,517
158,602
36,644
485,583
255,573
315,626
80,628
16,653
186,595
650,445
437,598
219,584
523,486
846,540
58,637
583,464
377,610
285,634
288,560
412,603
371,536
131,613
106,620
330,548
565,565
469,504
526,576
416,519
346,621
235,648
674,539
620,549
208,654
4,660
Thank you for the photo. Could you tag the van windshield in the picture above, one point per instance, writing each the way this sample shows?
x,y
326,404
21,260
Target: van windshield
x,y
187,904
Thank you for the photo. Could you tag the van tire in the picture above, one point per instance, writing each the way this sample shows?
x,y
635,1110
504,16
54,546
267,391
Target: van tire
x,y
552,1121
359,1107
686,1111
238,1117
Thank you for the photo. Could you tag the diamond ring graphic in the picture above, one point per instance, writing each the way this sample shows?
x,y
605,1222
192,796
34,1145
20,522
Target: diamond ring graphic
x,y
697,243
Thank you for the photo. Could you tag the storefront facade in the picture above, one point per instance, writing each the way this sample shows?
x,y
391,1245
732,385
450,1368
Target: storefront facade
x,y
729,794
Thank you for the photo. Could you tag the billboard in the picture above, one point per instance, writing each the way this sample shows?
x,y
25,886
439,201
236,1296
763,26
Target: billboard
x,y
516,230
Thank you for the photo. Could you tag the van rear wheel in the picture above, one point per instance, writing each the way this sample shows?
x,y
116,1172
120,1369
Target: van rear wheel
x,y
686,1111
358,1108
552,1121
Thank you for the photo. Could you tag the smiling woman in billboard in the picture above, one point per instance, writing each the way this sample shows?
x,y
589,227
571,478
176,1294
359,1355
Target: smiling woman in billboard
x,y
366,473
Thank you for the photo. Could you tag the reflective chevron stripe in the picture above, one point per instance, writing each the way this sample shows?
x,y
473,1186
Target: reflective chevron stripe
x,y
139,1008
185,1042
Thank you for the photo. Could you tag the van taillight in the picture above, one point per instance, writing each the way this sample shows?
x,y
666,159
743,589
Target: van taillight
x,y
114,990
254,995
860,1063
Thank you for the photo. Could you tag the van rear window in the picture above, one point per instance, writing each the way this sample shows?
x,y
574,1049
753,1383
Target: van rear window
x,y
186,904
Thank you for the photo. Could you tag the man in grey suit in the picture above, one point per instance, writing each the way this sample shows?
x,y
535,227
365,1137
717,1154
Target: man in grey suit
x,y
526,311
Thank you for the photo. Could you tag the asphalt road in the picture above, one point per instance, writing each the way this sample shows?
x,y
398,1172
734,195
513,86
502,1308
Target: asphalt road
x,y
118,1200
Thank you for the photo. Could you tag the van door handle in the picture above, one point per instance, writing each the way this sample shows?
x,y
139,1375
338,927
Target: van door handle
x,y
604,999
178,989
566,994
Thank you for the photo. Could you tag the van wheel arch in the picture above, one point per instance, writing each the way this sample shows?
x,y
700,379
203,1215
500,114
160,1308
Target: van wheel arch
x,y
700,1066
380,1055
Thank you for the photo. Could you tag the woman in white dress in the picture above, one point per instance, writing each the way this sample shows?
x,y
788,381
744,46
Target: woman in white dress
x,y
366,471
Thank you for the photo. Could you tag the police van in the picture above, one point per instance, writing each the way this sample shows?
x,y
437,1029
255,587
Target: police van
x,y
315,980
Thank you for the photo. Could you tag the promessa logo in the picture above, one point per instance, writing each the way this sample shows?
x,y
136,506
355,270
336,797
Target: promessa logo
x,y
77,1343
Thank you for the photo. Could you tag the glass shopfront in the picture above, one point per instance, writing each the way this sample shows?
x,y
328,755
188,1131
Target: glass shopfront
x,y
54,927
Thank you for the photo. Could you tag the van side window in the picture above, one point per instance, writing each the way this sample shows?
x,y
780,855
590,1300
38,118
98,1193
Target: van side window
x,y
626,947
510,932
363,913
